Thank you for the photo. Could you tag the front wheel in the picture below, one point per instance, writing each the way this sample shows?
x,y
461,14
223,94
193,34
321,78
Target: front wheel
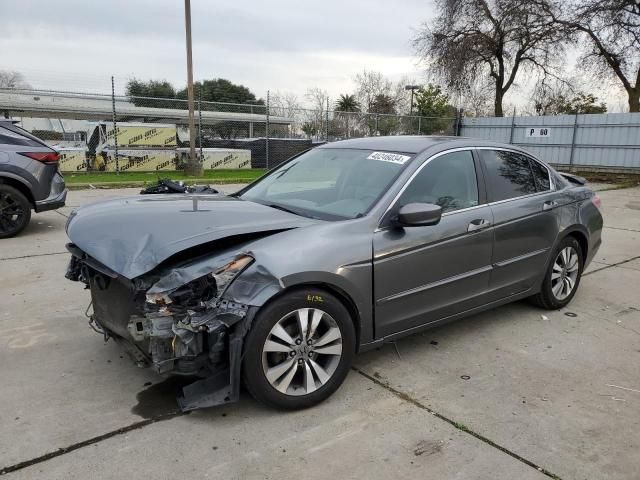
x,y
562,277
299,349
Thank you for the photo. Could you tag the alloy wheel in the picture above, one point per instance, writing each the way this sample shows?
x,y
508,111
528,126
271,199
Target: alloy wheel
x,y
565,273
11,213
302,351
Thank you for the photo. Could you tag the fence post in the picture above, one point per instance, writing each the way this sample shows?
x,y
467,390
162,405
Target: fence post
x,y
420,125
377,116
459,117
573,141
327,121
115,125
200,124
266,128
513,124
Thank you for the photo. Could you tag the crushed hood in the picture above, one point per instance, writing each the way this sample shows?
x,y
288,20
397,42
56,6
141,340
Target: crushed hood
x,y
133,235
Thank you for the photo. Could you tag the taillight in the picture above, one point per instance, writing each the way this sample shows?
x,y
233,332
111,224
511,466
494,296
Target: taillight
x,y
596,201
44,157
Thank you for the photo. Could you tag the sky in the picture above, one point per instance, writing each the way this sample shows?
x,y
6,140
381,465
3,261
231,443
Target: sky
x,y
286,46
278,45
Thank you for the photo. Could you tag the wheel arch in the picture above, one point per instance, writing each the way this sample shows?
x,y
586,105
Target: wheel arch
x,y
578,232
343,297
19,184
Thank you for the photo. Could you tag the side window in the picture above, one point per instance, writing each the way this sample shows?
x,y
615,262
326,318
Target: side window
x,y
508,175
541,175
449,181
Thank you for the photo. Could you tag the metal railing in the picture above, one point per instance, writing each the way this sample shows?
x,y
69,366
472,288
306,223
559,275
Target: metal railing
x,y
118,133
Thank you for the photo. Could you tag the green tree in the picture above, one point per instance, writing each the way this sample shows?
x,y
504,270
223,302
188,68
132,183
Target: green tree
x,y
431,102
347,103
385,122
345,107
215,90
581,103
221,90
151,89
310,129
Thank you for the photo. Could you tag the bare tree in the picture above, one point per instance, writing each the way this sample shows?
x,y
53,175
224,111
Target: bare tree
x,y
317,98
476,98
370,85
10,79
612,31
316,117
284,104
547,93
402,97
495,39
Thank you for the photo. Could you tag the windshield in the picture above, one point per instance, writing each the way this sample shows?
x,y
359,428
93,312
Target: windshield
x,y
329,183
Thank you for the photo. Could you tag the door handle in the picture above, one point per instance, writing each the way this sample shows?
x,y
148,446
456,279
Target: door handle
x,y
548,205
478,224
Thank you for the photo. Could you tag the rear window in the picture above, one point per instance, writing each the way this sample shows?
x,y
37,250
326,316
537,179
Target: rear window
x,y
14,137
541,174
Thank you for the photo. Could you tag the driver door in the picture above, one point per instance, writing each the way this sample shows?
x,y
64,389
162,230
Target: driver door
x,y
427,273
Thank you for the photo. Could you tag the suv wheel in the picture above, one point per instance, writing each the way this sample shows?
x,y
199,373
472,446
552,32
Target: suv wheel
x,y
299,349
15,211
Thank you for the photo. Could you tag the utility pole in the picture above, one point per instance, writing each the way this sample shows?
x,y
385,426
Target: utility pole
x,y
115,124
193,167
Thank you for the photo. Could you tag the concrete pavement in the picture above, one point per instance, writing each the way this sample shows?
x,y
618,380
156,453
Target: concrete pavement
x,y
516,392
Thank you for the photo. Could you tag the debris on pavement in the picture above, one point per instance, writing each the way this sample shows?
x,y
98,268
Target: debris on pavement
x,y
624,388
425,447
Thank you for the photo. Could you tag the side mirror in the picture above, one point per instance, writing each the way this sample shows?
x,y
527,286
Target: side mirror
x,y
419,214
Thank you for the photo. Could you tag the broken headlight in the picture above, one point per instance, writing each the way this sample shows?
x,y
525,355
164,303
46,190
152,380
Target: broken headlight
x,y
225,275
193,294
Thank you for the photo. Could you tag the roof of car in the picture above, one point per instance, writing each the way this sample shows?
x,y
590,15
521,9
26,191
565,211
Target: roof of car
x,y
412,143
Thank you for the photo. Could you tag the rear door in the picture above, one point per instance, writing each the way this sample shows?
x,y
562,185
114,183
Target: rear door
x,y
426,273
525,222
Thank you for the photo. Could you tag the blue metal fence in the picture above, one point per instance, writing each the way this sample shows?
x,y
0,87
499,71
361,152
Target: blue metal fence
x,y
597,142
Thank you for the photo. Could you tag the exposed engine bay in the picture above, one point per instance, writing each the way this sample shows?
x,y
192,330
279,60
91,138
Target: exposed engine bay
x,y
174,320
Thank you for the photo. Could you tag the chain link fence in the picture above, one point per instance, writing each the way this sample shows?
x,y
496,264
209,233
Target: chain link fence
x,y
102,132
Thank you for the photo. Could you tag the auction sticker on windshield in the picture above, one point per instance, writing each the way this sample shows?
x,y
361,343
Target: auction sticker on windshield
x,y
389,157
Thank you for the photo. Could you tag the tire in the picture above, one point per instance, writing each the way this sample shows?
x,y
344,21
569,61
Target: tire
x,y
15,211
319,368
554,293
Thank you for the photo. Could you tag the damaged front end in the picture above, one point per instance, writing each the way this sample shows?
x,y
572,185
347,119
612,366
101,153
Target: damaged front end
x,y
176,320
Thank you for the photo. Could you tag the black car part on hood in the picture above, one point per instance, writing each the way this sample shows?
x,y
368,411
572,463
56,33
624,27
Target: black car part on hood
x,y
166,185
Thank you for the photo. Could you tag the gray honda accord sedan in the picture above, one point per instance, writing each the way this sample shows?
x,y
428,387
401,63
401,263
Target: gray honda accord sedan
x,y
338,250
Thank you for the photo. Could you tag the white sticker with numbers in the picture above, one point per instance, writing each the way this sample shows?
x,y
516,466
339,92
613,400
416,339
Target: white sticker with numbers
x,y
389,157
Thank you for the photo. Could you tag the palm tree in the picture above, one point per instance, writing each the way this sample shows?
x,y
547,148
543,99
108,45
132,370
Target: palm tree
x,y
345,105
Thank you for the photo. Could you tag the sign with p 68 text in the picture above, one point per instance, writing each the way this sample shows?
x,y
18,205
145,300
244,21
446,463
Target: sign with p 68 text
x,y
538,132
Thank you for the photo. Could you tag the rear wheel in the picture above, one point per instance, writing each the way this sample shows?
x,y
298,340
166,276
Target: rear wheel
x,y
15,211
563,276
299,350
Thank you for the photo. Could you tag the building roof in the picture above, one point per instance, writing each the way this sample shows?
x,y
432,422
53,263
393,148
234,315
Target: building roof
x,y
34,103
